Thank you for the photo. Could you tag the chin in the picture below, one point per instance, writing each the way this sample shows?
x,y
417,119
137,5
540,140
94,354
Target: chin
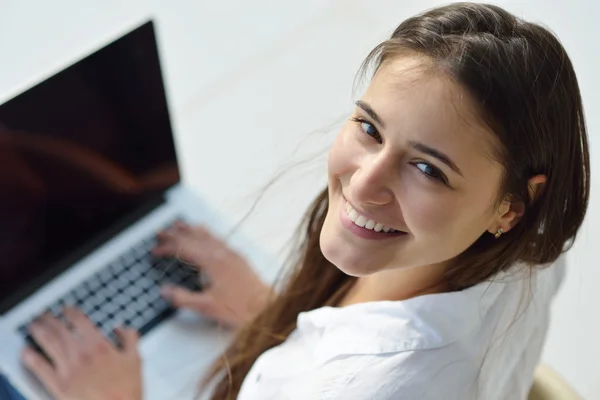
x,y
350,260
347,265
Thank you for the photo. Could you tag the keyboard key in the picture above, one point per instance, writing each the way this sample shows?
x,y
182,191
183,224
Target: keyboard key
x,y
109,292
105,277
55,309
87,308
137,322
98,315
69,299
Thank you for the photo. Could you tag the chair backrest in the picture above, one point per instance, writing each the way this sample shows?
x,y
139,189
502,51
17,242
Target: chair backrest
x,y
549,385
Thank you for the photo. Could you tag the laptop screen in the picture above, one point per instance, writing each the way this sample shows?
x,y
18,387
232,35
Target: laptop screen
x,y
80,153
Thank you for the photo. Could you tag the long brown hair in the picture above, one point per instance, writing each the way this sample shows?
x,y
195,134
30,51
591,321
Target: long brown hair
x,y
525,85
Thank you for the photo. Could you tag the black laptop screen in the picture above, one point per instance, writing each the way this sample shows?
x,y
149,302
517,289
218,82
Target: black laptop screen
x,y
79,153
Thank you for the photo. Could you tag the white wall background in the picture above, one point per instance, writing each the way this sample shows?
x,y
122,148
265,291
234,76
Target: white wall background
x,y
249,81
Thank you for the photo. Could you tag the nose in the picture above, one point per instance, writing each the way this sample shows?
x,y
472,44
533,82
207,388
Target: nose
x,y
372,181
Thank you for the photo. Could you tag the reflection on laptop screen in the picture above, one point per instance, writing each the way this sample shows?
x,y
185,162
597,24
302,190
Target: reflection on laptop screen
x,y
79,153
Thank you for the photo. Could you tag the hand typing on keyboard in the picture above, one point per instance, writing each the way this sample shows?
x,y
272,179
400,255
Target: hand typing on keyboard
x,y
234,293
84,364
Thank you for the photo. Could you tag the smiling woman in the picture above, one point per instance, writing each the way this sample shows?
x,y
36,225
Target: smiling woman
x,y
394,164
464,163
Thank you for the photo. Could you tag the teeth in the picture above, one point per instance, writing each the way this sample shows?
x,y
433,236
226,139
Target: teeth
x,y
353,215
363,222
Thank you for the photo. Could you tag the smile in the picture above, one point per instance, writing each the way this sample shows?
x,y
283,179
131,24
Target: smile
x,y
363,222
364,227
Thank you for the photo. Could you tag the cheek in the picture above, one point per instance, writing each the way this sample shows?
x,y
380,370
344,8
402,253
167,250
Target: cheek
x,y
424,215
445,216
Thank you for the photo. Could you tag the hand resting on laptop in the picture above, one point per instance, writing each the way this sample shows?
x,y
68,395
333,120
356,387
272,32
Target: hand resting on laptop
x,y
85,365
233,294
81,364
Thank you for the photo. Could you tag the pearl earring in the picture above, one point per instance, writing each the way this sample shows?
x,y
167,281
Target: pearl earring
x,y
499,233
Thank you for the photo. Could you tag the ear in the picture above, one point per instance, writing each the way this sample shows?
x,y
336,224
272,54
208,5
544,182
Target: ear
x,y
511,212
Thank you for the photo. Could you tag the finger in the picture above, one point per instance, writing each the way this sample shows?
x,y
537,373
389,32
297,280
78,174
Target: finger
x,y
53,337
129,339
166,235
55,324
178,228
181,250
182,298
169,243
191,252
82,326
164,249
199,248
41,368
172,232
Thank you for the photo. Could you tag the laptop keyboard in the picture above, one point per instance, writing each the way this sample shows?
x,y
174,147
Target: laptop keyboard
x,y
126,292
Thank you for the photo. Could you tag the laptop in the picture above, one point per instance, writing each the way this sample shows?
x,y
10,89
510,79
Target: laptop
x,y
89,174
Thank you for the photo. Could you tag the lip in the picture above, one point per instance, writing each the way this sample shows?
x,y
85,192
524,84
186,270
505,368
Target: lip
x,y
363,232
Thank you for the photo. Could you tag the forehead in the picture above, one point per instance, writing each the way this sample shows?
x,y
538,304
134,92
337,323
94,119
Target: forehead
x,y
417,102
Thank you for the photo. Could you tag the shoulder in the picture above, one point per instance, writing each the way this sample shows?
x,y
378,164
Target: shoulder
x,y
440,373
453,346
293,373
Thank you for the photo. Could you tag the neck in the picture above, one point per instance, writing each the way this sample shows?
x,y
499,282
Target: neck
x,y
396,284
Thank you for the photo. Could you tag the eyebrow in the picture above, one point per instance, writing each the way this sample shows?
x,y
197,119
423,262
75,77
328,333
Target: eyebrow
x,y
430,151
369,110
423,148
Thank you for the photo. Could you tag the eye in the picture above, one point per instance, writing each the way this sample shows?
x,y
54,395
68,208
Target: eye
x,y
368,128
431,172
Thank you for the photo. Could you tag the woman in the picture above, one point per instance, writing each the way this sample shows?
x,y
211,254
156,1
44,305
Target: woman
x,y
462,171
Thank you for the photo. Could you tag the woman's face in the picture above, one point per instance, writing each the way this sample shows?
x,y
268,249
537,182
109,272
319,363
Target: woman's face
x,y
413,158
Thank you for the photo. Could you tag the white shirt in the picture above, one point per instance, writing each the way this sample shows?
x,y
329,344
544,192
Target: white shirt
x,y
480,343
